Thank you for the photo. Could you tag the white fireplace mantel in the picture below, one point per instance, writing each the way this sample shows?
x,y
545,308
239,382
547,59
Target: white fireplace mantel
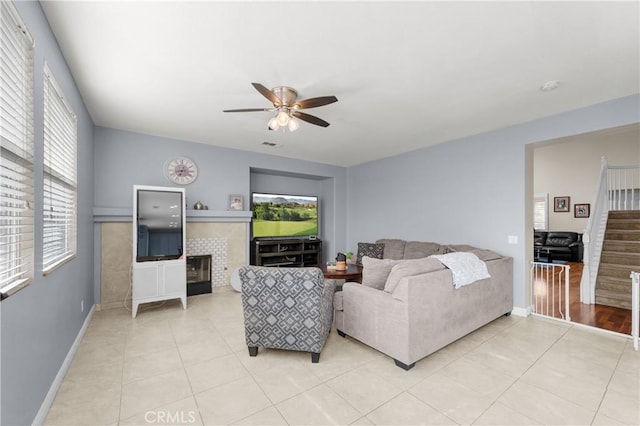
x,y
107,214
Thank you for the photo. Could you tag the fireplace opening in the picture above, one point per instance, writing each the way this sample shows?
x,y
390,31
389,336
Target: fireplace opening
x,y
198,274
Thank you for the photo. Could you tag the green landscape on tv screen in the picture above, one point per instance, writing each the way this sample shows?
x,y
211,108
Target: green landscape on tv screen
x,y
276,215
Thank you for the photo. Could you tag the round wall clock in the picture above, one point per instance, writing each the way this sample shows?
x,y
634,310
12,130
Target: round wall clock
x,y
181,170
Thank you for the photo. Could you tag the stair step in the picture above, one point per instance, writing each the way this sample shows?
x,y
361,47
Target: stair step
x,y
622,234
620,258
624,214
616,303
617,285
615,270
621,246
611,294
629,224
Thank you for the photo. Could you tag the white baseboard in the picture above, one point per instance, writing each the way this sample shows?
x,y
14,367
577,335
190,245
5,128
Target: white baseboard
x,y
521,312
41,416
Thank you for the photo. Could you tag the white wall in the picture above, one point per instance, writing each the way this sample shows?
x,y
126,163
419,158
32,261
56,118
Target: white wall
x,y
571,167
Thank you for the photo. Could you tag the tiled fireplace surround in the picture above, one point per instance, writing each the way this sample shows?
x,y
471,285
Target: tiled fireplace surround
x,y
224,235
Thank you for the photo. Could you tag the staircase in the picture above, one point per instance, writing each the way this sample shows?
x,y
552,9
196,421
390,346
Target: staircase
x,y
620,256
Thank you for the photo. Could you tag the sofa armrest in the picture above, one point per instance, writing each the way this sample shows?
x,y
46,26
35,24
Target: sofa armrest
x,y
369,314
362,293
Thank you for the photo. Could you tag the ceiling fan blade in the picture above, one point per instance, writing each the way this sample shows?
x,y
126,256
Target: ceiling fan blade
x,y
267,94
247,109
310,118
316,102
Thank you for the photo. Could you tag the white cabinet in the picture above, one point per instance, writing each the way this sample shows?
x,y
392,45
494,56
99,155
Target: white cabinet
x,y
159,260
160,280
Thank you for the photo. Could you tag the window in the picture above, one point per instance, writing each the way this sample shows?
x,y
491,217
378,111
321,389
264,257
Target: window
x,y
16,152
540,212
59,201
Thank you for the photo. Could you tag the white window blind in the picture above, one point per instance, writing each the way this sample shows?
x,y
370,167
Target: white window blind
x,y
540,212
59,202
16,152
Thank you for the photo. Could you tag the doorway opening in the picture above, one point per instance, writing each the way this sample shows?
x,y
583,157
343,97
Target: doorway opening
x,y
568,170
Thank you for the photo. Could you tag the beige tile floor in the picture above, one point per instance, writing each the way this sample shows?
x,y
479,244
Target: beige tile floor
x,y
171,366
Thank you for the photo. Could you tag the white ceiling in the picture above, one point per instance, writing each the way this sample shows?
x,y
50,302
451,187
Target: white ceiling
x,y
407,74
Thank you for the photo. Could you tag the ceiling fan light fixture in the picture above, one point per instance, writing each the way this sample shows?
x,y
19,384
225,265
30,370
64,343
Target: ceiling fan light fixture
x,y
273,123
293,125
283,118
286,108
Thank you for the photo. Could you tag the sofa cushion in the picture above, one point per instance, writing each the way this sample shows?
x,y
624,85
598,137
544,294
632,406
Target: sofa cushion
x,y
419,249
376,271
369,249
451,248
486,255
561,239
408,268
393,248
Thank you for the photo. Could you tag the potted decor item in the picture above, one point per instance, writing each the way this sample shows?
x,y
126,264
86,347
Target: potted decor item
x,y
341,262
349,257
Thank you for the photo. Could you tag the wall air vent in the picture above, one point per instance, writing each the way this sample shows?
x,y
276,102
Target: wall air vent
x,y
272,144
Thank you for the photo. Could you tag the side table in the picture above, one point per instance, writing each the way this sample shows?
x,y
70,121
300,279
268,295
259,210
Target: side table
x,y
353,273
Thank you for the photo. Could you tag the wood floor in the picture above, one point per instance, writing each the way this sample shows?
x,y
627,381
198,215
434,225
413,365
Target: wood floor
x,y
601,316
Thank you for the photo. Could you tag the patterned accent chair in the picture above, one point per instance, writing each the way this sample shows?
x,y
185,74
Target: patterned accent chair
x,y
286,308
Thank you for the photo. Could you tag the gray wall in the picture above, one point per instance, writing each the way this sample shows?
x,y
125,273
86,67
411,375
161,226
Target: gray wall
x,y
476,190
123,159
40,322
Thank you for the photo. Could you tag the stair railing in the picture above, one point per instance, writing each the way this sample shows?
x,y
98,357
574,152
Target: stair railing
x,y
618,188
593,236
624,187
635,308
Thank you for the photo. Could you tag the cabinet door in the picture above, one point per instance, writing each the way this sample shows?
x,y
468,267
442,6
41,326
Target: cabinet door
x,y
145,281
174,278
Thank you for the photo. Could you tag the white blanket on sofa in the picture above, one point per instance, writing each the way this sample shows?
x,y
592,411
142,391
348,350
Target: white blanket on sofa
x,y
466,268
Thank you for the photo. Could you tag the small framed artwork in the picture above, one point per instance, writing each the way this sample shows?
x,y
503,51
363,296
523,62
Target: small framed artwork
x,y
235,202
581,210
560,204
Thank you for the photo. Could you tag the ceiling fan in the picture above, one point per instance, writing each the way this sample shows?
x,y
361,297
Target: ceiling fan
x,y
286,107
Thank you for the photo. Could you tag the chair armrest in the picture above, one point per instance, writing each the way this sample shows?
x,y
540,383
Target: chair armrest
x,y
576,248
326,309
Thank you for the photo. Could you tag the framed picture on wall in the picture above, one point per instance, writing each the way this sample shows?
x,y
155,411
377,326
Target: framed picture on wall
x,y
581,210
560,204
235,202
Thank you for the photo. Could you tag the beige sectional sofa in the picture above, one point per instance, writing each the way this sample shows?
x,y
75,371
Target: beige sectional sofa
x,y
419,310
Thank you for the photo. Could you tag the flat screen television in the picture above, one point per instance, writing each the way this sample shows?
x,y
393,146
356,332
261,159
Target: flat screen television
x,y
280,215
159,224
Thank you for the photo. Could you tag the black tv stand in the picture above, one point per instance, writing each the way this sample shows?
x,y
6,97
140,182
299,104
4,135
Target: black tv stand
x,y
286,252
